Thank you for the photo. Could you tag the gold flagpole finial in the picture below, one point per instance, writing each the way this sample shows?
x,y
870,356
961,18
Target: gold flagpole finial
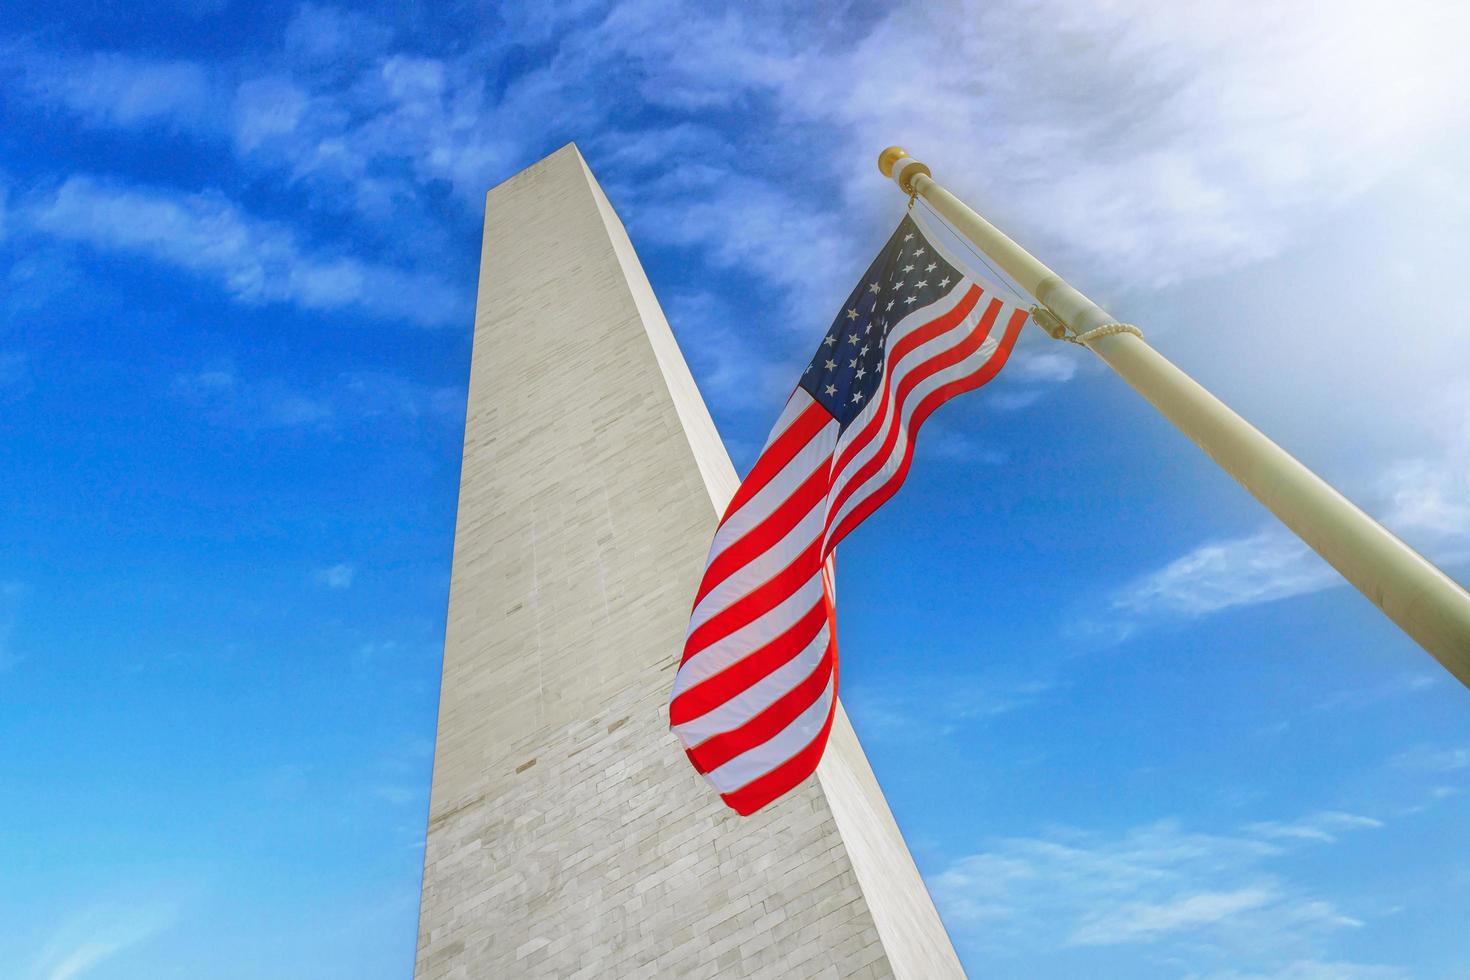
x,y
888,158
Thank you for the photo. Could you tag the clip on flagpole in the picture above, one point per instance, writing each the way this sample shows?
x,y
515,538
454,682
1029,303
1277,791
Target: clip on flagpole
x,y
1425,602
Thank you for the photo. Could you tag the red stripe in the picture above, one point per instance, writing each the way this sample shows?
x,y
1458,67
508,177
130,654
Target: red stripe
x,y
719,749
772,529
715,690
922,412
758,792
755,604
774,459
954,355
922,335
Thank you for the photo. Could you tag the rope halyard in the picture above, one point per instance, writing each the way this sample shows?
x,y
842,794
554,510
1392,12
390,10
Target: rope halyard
x,y
1106,330
1058,330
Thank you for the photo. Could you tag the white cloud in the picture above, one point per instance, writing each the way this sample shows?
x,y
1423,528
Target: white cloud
x,y
942,442
1423,499
1314,970
321,35
1400,686
1262,567
119,90
338,576
256,261
1325,827
1429,495
1430,759
1045,365
914,707
352,398
1143,921
1192,896
89,939
1180,140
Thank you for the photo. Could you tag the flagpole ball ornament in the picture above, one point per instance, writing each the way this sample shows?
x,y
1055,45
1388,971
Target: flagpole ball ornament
x,y
911,168
888,158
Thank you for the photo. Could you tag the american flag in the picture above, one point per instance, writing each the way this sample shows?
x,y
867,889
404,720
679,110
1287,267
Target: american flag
x,y
756,689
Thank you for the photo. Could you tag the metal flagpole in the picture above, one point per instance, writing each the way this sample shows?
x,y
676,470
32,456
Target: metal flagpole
x,y
1425,602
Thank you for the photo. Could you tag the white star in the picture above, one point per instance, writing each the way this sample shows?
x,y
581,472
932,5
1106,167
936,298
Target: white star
x,y
889,306
873,287
918,252
864,350
931,266
920,285
908,236
829,341
852,363
831,365
861,372
909,299
944,281
908,268
852,314
900,285
830,389
869,327
857,396
852,338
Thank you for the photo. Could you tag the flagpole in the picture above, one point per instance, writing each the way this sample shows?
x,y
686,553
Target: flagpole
x,y
1425,602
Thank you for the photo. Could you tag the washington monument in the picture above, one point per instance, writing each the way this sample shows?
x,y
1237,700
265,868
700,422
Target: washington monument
x,y
567,835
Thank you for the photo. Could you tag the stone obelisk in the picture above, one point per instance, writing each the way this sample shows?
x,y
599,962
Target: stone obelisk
x,y
568,836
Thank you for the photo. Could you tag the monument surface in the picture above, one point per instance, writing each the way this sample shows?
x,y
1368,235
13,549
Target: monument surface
x,y
568,836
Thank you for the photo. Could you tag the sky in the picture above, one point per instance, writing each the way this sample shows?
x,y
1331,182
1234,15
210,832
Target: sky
x,y
1129,726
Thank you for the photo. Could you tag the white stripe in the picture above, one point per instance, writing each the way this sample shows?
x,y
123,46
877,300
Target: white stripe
x,y
970,365
914,319
910,322
748,638
895,371
906,365
775,493
749,766
755,698
762,568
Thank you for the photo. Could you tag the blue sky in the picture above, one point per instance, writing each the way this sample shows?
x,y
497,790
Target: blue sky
x,y
1129,727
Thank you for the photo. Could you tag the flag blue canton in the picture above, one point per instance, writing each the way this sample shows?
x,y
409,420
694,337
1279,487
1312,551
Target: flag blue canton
x,y
908,274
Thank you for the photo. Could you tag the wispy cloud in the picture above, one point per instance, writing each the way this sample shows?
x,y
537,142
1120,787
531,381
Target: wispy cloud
x,y
1425,758
1219,897
1313,969
1162,151
1268,565
1422,498
254,260
337,576
352,398
97,935
1325,827
115,89
925,707
1205,133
